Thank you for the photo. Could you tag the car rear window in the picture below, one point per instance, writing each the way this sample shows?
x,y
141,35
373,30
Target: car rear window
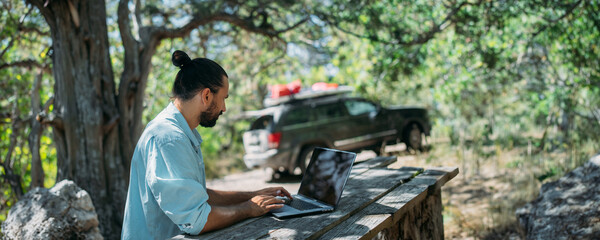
x,y
263,122
296,116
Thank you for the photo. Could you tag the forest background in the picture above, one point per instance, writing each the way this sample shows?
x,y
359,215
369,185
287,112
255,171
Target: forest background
x,y
80,79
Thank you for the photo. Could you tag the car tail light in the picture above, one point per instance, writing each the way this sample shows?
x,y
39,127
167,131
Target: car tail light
x,y
274,139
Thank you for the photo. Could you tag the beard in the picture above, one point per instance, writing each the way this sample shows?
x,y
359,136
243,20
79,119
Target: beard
x,y
210,117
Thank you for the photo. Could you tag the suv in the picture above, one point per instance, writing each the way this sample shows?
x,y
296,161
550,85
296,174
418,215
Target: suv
x,y
285,134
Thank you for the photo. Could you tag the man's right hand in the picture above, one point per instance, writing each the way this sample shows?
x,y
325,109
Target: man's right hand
x,y
262,204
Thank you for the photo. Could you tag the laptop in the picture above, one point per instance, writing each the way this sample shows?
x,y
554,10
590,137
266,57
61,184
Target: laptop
x,y
322,184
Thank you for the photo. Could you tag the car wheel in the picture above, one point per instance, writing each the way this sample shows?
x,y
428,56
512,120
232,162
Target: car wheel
x,y
304,158
379,149
413,138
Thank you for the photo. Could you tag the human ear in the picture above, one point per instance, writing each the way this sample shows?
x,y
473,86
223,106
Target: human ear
x,y
206,96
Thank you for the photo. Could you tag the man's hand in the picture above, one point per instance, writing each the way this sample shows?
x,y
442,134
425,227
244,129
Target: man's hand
x,y
262,204
274,191
227,198
265,201
231,207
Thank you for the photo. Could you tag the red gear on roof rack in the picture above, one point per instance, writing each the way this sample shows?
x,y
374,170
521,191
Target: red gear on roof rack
x,y
282,93
281,90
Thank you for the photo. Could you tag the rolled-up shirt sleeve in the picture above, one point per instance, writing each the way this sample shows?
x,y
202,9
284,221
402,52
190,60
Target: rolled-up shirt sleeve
x,y
173,177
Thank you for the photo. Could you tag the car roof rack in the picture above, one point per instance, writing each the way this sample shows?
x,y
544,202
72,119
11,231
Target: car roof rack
x,y
307,94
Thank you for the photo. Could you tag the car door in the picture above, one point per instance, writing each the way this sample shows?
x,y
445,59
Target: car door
x,y
367,127
331,121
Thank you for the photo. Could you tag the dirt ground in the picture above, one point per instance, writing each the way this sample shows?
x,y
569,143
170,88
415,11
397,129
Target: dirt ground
x,y
479,203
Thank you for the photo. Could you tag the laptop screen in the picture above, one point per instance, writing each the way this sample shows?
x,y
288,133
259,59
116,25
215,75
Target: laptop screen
x,y
326,175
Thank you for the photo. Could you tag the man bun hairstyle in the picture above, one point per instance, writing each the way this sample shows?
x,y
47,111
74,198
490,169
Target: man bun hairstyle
x,y
195,75
180,58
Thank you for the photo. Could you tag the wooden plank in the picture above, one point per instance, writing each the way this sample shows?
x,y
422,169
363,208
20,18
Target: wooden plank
x,y
377,216
360,191
442,174
387,211
376,162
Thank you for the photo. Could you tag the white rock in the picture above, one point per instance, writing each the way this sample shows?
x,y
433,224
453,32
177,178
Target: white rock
x,y
62,212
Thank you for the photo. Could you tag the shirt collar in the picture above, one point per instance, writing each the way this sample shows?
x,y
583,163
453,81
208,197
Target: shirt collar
x,y
192,134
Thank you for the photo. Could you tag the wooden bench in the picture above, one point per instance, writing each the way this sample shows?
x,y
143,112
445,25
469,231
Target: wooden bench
x,y
377,202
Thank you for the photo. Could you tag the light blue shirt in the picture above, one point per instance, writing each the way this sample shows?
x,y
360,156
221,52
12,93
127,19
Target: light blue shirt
x,y
167,188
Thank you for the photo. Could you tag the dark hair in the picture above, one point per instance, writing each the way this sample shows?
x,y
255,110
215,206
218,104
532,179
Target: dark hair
x,y
195,75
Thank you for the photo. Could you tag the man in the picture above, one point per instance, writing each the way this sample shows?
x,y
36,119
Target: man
x,y
167,190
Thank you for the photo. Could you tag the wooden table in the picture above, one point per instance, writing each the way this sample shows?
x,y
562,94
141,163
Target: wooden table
x,y
377,202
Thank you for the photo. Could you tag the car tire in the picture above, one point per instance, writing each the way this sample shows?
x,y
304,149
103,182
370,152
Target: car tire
x,y
413,138
304,157
379,149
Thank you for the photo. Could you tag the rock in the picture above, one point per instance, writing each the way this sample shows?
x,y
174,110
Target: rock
x,y
62,212
568,208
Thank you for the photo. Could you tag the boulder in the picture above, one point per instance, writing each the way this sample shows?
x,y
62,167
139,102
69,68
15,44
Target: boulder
x,y
568,208
62,212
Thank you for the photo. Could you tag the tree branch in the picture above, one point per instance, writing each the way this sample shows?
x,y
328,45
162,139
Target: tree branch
x,y
293,26
19,27
35,134
8,46
52,120
28,63
127,38
420,39
138,15
13,179
243,23
49,118
554,21
35,30
569,11
596,115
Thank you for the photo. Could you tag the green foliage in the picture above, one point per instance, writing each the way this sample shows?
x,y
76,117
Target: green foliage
x,y
494,75
553,171
48,155
516,61
24,37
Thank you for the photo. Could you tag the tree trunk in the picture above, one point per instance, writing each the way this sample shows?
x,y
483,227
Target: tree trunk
x,y
37,171
14,180
86,133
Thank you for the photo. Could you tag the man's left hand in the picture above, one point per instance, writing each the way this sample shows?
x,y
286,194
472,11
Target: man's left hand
x,y
274,191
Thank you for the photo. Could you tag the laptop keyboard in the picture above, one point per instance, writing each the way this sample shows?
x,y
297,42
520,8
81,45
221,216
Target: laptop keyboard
x,y
302,205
